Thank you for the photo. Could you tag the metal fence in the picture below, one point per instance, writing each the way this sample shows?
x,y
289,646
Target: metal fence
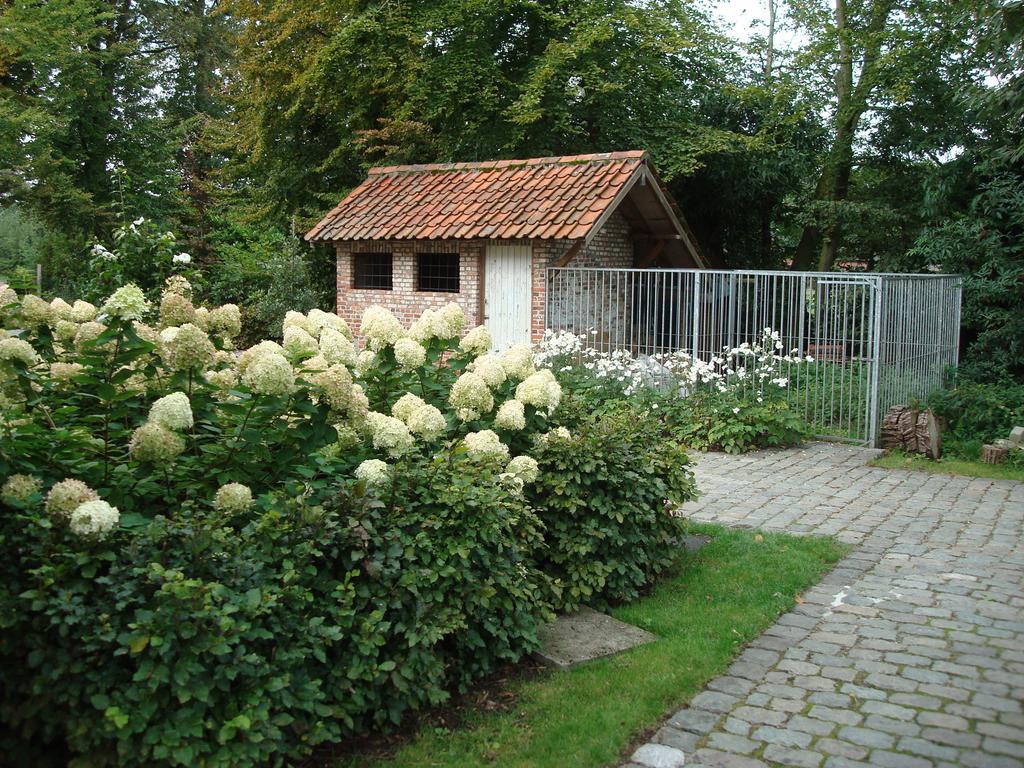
x,y
877,340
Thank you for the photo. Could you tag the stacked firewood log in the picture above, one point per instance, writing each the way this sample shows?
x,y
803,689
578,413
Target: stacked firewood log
x,y
912,430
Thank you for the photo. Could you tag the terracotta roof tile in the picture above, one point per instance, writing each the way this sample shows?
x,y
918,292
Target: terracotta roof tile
x,y
542,197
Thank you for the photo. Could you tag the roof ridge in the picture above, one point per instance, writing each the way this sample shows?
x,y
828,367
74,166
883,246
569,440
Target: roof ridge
x,y
493,165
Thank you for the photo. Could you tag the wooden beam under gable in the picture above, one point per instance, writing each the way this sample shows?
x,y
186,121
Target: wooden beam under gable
x,y
570,254
652,253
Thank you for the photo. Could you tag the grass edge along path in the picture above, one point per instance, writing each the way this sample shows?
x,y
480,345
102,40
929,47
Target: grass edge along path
x,y
714,602
948,466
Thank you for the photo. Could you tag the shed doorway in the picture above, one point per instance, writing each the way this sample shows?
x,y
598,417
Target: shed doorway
x,y
507,294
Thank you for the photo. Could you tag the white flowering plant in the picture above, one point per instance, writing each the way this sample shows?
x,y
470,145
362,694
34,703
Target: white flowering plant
x,y
142,254
734,401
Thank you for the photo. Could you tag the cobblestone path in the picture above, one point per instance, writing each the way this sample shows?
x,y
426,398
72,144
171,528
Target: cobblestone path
x,y
909,654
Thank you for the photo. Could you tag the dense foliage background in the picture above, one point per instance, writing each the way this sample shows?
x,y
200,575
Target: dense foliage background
x,y
882,134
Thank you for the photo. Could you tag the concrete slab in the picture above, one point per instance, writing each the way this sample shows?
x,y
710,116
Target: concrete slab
x,y
585,635
695,542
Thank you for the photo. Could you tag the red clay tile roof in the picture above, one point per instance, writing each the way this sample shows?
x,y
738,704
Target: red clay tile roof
x,y
544,197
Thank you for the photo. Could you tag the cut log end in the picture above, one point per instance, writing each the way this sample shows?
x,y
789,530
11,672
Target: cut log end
x,y
993,454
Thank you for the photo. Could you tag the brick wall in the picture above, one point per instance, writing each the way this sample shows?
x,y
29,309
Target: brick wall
x,y
403,299
612,247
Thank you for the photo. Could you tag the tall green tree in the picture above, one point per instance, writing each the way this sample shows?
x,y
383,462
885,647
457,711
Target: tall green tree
x,y
874,64
77,114
327,88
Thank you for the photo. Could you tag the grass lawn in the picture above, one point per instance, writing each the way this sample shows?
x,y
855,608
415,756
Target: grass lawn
x,y
950,466
717,599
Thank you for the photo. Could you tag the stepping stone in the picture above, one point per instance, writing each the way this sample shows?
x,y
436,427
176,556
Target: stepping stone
x,y
695,542
585,635
658,756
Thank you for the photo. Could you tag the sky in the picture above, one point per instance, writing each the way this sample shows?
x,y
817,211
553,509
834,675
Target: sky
x,y
741,16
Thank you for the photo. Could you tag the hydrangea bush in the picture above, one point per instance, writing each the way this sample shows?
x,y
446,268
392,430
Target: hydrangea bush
x,y
226,557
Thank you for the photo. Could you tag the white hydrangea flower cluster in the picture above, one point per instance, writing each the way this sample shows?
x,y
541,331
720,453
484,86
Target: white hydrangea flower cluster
x,y
225,320
518,362
511,416
83,311
299,343
389,434
485,444
293,319
64,373
224,379
471,397
541,390
269,373
321,321
380,328
18,489
336,382
128,303
66,496
490,369
524,467
94,519
188,347
558,433
155,444
366,361
61,309
477,342
427,422
35,312
8,296
409,354
249,356
445,323
233,498
374,472
173,411
336,347
406,405
16,350
176,309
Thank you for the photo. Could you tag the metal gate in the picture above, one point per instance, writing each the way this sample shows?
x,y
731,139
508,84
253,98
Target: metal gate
x,y
876,339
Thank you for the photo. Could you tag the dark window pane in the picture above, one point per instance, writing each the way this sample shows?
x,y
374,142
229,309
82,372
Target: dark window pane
x,y
371,270
437,272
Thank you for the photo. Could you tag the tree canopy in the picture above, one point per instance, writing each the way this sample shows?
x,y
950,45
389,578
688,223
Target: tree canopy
x,y
883,133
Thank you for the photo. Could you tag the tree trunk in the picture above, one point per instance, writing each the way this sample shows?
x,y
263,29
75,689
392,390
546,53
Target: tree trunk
x,y
819,240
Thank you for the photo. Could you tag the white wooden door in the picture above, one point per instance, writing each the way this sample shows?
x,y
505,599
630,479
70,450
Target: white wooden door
x,y
507,293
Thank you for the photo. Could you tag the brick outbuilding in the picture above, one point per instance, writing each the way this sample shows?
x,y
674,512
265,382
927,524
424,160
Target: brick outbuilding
x,y
411,237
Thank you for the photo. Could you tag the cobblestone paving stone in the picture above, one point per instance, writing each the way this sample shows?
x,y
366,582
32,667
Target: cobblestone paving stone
x,y
909,654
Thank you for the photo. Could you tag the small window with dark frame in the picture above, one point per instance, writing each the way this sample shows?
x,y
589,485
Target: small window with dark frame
x,y
371,271
437,272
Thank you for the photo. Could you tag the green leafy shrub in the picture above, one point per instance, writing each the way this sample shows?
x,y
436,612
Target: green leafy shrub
x,y
976,413
607,494
266,273
237,640
735,423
